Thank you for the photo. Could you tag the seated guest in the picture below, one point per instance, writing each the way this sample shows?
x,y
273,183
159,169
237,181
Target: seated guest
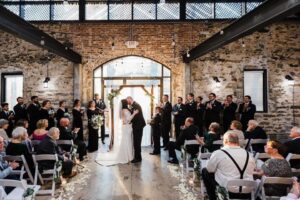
x,y
3,126
40,133
156,130
62,111
293,146
22,123
237,127
16,147
294,194
5,168
225,164
48,146
9,116
209,137
67,134
77,118
25,124
188,132
276,166
255,132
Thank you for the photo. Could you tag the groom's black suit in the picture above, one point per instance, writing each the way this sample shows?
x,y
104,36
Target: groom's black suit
x,y
138,124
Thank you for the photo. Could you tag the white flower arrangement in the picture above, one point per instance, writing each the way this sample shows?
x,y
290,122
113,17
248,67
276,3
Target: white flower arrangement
x,y
97,121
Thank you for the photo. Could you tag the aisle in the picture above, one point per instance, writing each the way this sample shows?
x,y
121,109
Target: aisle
x,y
152,179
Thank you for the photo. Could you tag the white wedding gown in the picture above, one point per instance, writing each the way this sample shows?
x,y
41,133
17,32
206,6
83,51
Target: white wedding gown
x,y
122,151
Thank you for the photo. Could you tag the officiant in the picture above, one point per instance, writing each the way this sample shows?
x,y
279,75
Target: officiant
x,y
100,104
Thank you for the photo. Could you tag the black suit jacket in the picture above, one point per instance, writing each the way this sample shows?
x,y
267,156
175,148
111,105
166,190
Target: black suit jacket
x,y
229,113
33,113
293,146
257,133
191,109
188,133
248,114
100,105
180,117
138,121
20,112
213,115
49,146
167,114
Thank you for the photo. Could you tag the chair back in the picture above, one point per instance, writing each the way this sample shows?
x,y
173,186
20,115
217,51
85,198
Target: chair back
x,y
13,183
261,156
292,156
246,186
42,157
65,142
191,142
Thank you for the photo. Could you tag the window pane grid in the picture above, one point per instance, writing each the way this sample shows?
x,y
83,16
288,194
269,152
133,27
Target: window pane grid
x,y
199,11
144,11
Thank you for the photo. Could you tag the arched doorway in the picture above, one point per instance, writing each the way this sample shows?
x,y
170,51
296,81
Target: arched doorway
x,y
144,79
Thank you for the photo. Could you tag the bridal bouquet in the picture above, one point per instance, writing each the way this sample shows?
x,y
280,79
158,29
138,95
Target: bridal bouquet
x,y
97,121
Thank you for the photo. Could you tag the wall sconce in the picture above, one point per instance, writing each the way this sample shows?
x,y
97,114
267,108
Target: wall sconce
x,y
216,79
289,77
47,79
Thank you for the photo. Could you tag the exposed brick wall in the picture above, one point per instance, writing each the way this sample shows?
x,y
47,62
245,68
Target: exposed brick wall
x,y
277,51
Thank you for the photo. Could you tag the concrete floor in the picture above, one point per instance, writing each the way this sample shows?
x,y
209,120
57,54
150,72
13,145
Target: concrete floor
x,y
153,179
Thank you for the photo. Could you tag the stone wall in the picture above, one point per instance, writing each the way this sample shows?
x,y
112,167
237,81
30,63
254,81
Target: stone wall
x,y
277,51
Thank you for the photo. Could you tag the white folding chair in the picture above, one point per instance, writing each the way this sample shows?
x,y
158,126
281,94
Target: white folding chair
x,y
187,156
257,142
273,181
64,143
291,157
261,156
49,173
246,186
24,166
218,143
20,188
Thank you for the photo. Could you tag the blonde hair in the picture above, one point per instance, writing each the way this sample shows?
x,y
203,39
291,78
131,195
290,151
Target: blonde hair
x,y
41,123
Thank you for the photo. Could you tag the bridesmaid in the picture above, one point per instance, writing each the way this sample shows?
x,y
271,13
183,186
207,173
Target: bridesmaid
x,y
77,118
93,133
61,112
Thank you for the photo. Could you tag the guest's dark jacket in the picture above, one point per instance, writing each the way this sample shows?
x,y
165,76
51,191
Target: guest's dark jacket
x,y
293,146
247,113
138,121
166,117
180,117
257,133
191,109
49,146
66,134
60,114
5,115
209,138
189,133
20,112
213,114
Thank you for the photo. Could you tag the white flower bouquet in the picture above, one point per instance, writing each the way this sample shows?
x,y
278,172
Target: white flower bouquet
x,y
97,121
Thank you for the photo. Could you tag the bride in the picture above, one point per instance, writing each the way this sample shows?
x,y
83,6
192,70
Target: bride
x,y
122,151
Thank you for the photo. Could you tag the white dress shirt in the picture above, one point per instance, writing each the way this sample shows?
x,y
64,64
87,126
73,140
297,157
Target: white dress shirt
x,y
224,168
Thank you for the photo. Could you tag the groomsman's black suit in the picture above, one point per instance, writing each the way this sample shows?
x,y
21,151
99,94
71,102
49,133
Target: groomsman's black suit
x,y
213,114
166,122
138,124
20,112
199,120
33,114
229,115
101,105
179,118
5,115
247,113
191,109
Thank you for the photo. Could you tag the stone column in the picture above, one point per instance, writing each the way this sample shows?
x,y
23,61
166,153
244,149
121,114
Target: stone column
x,y
77,85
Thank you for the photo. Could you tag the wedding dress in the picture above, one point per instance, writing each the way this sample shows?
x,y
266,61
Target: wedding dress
x,y
122,151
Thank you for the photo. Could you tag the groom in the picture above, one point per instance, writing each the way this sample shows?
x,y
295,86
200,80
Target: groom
x,y
138,124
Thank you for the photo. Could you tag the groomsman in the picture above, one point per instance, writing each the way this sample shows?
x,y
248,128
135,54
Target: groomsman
x,y
199,120
166,120
101,106
212,110
20,110
33,113
9,116
191,106
229,112
179,111
247,111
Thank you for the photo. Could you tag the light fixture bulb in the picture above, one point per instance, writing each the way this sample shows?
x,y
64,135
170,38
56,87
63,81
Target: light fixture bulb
x,y
113,46
173,43
221,32
42,42
45,84
243,44
188,53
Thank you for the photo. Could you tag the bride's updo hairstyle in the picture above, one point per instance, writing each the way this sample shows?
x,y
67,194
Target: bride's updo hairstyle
x,y
124,104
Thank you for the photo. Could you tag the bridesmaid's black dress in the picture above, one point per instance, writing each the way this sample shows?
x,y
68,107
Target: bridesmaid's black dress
x,y
77,123
93,133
